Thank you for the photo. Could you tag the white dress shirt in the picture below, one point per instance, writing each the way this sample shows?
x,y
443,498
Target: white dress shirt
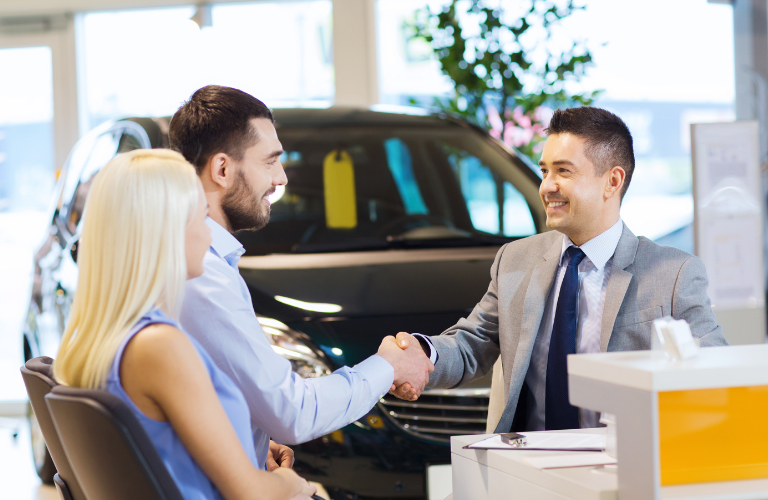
x,y
594,271
218,312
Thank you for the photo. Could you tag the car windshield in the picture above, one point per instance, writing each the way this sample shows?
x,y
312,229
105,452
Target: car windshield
x,y
383,187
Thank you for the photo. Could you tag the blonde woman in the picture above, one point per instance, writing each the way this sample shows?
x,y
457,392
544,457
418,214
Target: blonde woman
x,y
144,234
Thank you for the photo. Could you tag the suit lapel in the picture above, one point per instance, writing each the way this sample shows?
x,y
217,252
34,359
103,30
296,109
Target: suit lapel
x,y
536,297
618,282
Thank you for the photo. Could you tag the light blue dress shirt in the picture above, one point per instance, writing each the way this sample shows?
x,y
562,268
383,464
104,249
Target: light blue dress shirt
x,y
594,271
217,311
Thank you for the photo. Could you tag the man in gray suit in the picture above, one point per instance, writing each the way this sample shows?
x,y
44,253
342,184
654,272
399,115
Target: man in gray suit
x,y
588,286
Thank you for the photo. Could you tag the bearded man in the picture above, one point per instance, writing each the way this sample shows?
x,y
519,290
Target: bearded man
x,y
230,138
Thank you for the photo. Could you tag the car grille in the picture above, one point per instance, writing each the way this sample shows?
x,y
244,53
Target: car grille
x,y
439,414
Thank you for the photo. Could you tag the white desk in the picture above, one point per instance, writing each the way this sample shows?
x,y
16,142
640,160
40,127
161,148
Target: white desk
x,y
667,413
504,475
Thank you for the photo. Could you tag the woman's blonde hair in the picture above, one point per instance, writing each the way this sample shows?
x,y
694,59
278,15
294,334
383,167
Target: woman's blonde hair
x,y
131,257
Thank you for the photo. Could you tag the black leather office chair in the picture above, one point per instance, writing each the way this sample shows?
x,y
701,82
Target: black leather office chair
x,y
38,378
107,447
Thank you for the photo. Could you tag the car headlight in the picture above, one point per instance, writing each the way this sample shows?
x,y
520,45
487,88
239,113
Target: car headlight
x,y
307,360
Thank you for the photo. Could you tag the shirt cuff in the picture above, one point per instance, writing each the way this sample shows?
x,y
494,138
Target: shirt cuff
x,y
378,372
424,340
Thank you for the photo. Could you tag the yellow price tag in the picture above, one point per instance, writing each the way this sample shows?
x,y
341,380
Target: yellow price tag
x,y
339,187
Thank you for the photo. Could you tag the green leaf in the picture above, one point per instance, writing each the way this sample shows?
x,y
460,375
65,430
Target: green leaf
x,y
491,75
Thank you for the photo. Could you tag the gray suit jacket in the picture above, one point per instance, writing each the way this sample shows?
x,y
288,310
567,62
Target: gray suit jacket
x,y
647,281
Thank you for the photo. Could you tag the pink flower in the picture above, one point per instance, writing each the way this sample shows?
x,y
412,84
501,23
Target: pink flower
x,y
520,129
494,120
517,136
522,119
543,115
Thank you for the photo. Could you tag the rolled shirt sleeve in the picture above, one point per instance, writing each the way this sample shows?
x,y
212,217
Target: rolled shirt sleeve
x,y
217,311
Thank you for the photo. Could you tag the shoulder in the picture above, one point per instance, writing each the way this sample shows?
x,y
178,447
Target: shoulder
x,y
541,240
666,264
158,343
216,273
651,254
159,365
532,246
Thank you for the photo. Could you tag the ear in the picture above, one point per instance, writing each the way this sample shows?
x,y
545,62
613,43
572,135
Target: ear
x,y
220,170
614,182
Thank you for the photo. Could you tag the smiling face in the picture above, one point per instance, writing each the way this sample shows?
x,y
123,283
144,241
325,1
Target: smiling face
x,y
257,175
580,203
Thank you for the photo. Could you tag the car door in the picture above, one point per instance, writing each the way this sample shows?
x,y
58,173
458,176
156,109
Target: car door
x,y
58,267
42,328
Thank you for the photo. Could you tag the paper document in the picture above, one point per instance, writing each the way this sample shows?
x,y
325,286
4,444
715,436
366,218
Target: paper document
x,y
564,441
570,460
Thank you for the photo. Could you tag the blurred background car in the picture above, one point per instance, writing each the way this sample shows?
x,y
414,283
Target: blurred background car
x,y
406,244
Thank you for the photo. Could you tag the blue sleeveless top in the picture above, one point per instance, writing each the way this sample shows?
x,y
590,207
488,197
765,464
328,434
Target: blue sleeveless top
x,y
190,479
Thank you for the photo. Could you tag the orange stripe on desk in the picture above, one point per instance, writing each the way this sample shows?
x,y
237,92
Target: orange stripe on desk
x,y
709,435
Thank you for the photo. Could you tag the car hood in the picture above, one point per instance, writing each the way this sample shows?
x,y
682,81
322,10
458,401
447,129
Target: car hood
x,y
368,295
372,283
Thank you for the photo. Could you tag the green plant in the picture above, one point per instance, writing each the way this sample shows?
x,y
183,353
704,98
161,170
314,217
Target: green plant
x,y
509,68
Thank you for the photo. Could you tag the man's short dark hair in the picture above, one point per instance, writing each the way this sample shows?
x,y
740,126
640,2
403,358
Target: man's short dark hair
x,y
608,141
216,120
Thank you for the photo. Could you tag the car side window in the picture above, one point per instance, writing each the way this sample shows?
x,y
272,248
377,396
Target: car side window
x,y
104,150
400,164
128,142
70,174
495,206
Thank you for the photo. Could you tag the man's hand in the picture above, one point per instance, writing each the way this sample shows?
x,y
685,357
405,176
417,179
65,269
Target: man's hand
x,y
279,456
412,367
405,391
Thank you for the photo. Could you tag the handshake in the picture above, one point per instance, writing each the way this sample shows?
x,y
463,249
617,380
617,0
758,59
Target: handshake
x,y
412,366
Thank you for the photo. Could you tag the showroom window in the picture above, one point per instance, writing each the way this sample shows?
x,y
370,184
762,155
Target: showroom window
x,y
148,62
658,80
27,170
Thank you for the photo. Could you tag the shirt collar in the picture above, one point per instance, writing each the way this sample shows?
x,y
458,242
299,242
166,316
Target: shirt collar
x,y
224,244
600,248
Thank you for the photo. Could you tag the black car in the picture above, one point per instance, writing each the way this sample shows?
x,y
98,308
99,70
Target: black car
x,y
433,198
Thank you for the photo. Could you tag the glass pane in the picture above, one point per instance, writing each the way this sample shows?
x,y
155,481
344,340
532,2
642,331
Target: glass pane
x,y
128,142
478,187
279,52
104,150
518,220
655,90
27,177
416,186
697,88
401,166
408,67
27,170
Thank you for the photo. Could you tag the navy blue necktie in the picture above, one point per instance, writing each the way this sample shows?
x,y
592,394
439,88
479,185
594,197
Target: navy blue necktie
x,y
558,412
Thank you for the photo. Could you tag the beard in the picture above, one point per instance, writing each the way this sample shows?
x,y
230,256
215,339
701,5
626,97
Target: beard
x,y
243,208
